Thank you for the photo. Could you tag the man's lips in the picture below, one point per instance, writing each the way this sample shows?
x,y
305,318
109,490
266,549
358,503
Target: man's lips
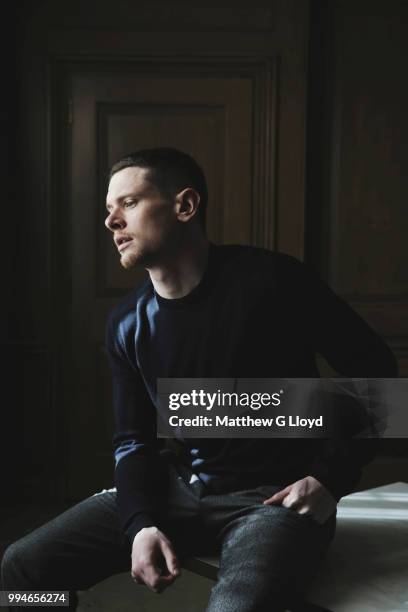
x,y
122,246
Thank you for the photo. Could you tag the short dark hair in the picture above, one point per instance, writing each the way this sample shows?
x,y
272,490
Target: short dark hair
x,y
171,171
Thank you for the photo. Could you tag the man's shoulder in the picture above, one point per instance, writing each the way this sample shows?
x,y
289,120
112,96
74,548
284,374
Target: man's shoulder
x,y
255,253
259,261
124,312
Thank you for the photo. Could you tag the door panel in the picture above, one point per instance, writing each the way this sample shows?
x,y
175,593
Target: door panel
x,y
94,83
114,114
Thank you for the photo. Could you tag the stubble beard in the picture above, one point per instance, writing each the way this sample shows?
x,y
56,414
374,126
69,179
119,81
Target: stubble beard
x,y
130,260
146,255
134,257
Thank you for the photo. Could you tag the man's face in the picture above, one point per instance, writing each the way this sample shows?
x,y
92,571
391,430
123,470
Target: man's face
x,y
143,222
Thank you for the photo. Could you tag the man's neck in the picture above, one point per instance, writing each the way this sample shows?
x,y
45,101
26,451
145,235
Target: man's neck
x,y
182,271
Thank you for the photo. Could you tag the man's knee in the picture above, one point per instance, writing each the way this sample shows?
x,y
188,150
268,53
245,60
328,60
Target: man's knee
x,y
25,563
18,573
265,520
12,566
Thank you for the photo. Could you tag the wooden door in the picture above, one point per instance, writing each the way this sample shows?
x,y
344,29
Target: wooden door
x,y
227,85
111,113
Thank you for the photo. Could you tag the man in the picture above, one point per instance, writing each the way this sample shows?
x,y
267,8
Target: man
x,y
268,506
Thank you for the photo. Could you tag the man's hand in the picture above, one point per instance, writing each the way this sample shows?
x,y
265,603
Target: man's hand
x,y
154,562
306,496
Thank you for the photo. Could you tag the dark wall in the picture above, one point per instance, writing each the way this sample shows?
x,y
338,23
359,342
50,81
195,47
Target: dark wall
x,y
356,221
355,189
13,222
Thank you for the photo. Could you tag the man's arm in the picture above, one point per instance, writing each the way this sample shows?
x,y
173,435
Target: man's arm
x,y
353,349
137,470
346,341
134,441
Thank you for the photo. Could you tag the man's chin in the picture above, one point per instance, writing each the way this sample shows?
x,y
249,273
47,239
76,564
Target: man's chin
x,y
130,260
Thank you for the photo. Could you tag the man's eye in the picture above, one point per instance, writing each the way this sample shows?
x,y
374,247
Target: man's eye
x,y
129,203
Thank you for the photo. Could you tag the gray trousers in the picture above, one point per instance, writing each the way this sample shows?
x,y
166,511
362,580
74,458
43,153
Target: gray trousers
x,y
268,554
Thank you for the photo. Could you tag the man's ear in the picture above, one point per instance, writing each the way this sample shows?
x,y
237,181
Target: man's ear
x,y
187,202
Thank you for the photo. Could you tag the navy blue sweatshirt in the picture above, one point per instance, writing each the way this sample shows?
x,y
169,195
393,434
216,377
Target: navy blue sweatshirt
x,y
255,314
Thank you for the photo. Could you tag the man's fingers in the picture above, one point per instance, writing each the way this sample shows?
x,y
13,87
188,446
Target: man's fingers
x,y
279,496
303,510
157,579
170,557
289,497
161,583
151,575
157,584
306,496
292,501
154,562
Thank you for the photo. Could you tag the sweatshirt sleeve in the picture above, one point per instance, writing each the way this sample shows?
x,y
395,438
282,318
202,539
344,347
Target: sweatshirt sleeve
x,y
354,350
134,441
348,343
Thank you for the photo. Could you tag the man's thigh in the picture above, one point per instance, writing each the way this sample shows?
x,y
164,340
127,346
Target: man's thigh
x,y
75,550
268,554
86,544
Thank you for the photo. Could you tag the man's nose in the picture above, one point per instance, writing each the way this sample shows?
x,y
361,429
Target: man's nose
x,y
115,221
